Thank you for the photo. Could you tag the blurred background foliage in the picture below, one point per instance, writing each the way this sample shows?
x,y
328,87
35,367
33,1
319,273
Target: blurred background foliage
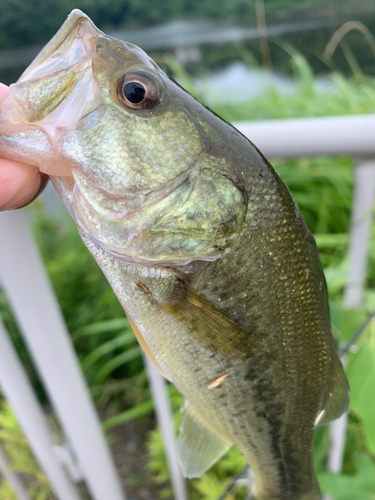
x,y
16,447
323,187
23,23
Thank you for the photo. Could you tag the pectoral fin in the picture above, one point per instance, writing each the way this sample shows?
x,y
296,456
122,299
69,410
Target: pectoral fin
x,y
198,446
338,399
211,325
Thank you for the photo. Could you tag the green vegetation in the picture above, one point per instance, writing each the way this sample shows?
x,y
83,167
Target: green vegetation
x,y
34,22
15,445
24,23
110,356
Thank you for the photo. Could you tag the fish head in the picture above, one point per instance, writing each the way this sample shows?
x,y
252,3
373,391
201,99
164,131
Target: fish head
x,y
127,149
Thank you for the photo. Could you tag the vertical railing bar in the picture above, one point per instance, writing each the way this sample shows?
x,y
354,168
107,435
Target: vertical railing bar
x,y
12,478
363,201
19,392
337,435
164,418
37,312
363,204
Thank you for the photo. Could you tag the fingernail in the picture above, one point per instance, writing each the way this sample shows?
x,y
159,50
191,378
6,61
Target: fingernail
x,y
28,194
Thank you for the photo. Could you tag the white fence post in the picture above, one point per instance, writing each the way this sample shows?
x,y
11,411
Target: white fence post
x,y
363,204
18,391
164,418
37,312
12,478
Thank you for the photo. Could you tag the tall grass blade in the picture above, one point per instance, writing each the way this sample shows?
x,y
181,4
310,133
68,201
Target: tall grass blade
x,y
116,362
106,348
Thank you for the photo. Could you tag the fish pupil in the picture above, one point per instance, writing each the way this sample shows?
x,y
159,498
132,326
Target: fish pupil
x,y
134,92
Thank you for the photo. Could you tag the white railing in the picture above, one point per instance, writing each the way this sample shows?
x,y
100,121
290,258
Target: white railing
x,y
24,279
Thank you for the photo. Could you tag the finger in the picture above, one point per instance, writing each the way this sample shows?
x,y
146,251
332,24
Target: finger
x,y
3,90
19,184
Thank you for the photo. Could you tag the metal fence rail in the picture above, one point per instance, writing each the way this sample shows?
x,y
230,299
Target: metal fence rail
x,y
19,392
24,279
38,315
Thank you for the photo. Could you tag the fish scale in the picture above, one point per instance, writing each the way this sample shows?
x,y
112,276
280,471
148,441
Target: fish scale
x,y
202,243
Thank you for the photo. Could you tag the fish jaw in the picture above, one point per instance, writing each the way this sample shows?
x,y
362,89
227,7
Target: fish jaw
x,y
37,109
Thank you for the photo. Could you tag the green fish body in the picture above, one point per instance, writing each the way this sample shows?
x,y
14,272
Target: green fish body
x,y
202,243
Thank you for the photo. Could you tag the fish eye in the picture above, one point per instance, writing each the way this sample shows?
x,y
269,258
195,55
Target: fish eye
x,y
138,91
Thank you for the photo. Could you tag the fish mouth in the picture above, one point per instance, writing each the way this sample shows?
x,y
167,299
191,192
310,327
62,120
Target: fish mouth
x,y
32,114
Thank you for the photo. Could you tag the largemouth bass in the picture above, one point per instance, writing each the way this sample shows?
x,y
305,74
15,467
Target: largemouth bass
x,y
201,242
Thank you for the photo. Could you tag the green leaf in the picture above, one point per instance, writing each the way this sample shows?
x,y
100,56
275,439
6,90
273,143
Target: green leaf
x,y
365,405
360,367
349,320
111,325
336,276
210,487
344,487
331,240
361,376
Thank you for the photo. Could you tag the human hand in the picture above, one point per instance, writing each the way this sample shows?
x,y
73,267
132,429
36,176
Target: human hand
x,y
19,183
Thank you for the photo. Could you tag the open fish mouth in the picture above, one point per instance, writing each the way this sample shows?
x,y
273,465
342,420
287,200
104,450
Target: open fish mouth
x,y
39,108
